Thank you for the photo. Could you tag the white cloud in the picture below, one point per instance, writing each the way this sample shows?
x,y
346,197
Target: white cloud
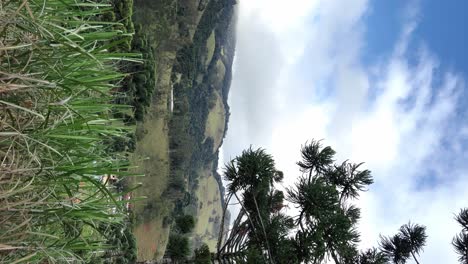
x,y
398,117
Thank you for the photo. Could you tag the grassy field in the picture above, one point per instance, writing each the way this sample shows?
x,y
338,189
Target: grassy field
x,y
151,156
152,239
215,123
220,73
209,210
210,45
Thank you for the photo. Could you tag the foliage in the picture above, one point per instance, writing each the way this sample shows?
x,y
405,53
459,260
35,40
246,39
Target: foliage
x,y
409,241
56,83
260,226
138,86
185,223
178,247
141,83
395,248
460,241
123,11
372,256
124,248
202,255
326,220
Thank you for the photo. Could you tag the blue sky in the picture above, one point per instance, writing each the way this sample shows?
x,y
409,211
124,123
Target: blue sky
x,y
383,82
441,28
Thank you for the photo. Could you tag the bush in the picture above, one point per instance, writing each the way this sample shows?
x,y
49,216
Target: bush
x,y
202,255
185,223
178,247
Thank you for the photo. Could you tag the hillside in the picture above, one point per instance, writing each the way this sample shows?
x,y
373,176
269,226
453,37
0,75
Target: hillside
x,y
179,138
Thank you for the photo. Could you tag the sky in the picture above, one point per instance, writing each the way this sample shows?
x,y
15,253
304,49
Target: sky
x,y
381,82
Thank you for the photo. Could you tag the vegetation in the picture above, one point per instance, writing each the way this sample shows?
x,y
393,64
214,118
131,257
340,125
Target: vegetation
x,y
202,255
124,250
139,86
460,241
153,215
208,209
407,243
178,248
68,72
57,78
185,223
326,220
163,24
191,150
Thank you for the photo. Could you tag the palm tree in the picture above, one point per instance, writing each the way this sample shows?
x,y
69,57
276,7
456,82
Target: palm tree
x,y
395,248
252,176
372,256
323,195
409,242
327,221
315,158
416,236
350,179
460,241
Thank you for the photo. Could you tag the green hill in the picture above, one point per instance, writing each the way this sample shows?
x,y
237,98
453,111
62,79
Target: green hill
x,y
183,128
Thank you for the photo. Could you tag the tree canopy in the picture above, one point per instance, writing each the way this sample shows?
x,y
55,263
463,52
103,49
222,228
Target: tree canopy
x,y
324,227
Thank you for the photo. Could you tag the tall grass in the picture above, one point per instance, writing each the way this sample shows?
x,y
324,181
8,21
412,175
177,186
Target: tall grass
x,y
57,78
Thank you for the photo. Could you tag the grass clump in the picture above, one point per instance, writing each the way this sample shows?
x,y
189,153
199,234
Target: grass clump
x,y
57,79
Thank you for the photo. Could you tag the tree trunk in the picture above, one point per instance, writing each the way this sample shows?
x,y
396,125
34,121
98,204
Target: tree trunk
x,y
250,220
221,231
264,231
414,257
233,232
335,258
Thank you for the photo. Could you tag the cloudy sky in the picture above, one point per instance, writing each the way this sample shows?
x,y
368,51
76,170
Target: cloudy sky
x,y
381,82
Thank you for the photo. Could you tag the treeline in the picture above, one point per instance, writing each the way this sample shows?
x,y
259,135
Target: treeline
x,y
189,150
139,84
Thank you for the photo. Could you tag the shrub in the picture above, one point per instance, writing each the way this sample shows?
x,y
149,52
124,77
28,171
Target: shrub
x,y
185,223
202,255
178,247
